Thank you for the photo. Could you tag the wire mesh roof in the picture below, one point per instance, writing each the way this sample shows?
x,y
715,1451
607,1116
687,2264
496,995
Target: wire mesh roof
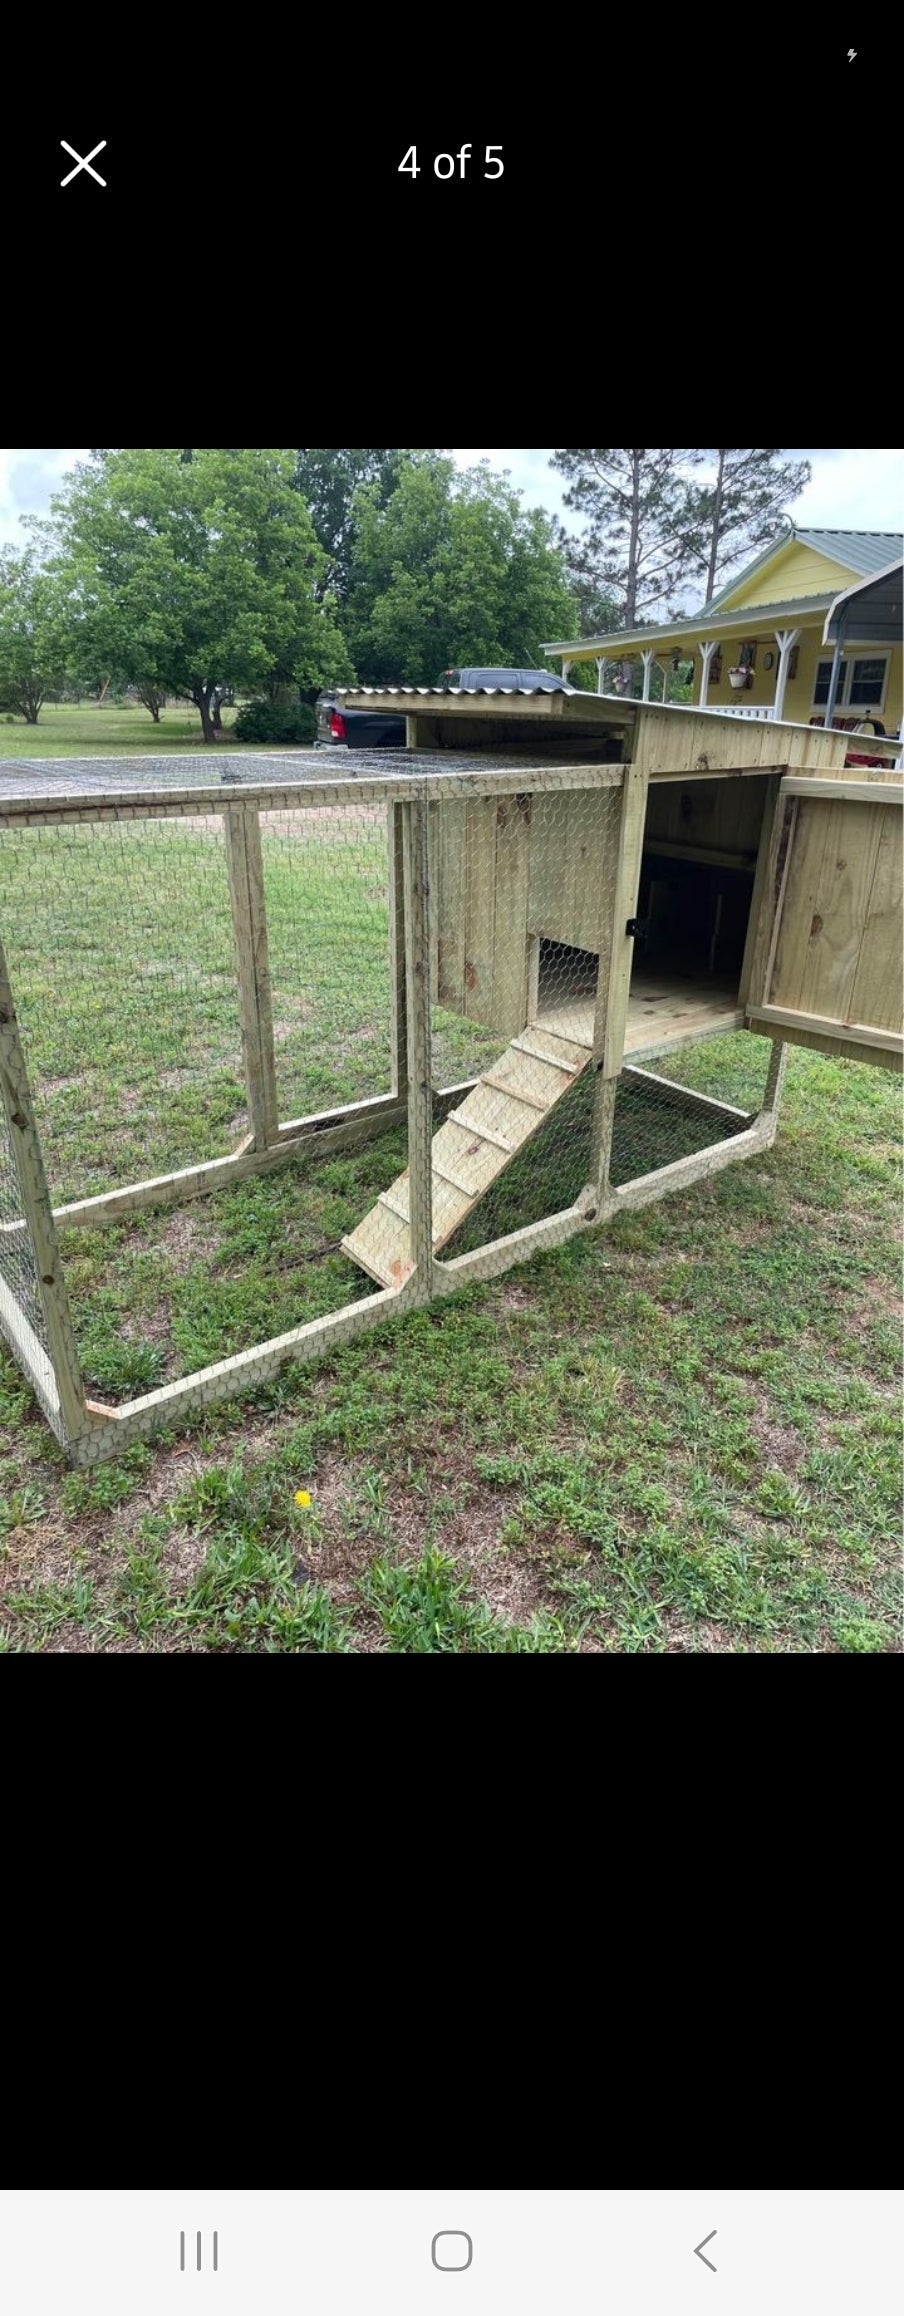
x,y
25,778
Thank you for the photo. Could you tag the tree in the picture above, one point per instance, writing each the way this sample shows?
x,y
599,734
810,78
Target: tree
x,y
451,570
36,634
636,545
195,572
328,480
743,508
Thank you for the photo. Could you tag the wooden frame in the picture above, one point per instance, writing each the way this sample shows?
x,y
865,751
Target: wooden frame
x,y
91,1432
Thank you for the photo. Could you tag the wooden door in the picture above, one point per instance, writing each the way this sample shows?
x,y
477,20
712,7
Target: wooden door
x,y
825,945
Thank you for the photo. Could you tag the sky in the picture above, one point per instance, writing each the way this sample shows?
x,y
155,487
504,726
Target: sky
x,y
859,490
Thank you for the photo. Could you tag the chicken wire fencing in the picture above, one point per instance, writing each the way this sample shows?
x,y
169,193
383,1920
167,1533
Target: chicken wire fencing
x,y
281,1061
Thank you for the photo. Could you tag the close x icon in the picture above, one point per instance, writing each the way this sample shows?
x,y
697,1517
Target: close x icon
x,y
83,162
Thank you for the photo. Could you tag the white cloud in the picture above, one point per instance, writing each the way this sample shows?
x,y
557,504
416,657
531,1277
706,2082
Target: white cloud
x,y
27,480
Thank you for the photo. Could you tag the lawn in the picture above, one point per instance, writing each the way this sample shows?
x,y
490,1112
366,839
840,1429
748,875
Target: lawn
x,y
123,728
680,1433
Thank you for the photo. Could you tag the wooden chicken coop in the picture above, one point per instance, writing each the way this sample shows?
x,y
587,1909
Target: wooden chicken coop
x,y
492,957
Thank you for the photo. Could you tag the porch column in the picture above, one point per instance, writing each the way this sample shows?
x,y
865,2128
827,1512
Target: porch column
x,y
836,671
786,638
599,674
566,664
706,653
647,657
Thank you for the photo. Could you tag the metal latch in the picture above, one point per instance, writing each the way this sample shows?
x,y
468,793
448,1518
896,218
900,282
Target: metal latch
x,y
638,928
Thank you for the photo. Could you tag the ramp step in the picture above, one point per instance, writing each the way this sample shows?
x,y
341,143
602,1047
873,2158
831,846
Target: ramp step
x,y
473,1146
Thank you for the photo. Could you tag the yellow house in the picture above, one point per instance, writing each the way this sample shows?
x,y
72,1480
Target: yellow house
x,y
770,642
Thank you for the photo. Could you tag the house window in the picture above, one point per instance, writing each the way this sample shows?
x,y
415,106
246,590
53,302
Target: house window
x,y
861,683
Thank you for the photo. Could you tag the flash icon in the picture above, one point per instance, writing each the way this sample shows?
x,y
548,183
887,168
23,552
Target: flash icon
x,y
851,55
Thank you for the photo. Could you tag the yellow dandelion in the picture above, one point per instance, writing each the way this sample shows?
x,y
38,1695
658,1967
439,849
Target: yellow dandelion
x,y
302,1498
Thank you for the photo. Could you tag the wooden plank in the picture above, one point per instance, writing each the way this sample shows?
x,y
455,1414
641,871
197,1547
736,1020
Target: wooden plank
x,y
845,791
466,1158
260,956
381,1245
831,864
844,1032
480,910
398,1029
518,1246
15,1095
420,1102
242,932
534,1076
510,946
876,990
483,1132
690,1031
564,1052
448,907
783,872
28,1349
615,971
767,852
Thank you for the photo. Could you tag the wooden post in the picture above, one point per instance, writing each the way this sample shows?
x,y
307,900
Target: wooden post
x,y
249,925
36,1208
397,997
706,651
420,1104
772,1098
786,638
619,903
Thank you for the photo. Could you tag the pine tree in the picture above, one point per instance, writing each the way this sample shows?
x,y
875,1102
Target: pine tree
x,y
743,508
638,545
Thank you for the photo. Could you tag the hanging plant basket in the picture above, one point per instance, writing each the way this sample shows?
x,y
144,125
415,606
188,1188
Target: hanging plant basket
x,y
739,678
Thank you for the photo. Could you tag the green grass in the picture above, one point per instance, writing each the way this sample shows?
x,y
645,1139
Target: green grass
x,y
120,729
679,1434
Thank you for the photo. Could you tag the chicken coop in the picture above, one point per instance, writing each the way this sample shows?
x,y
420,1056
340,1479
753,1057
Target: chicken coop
x,y
280,1062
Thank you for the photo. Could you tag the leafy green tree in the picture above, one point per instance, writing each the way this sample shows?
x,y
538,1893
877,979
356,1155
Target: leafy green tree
x,y
37,631
194,572
328,480
451,570
637,544
743,508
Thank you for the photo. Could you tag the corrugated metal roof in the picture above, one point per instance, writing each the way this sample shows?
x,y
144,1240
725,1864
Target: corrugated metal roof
x,y
448,691
703,622
864,551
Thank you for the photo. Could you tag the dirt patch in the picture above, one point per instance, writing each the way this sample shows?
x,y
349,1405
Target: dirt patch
x,y
779,1444
515,1297
188,1238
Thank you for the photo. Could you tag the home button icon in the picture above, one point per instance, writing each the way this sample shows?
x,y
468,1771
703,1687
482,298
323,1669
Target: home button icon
x,y
451,2250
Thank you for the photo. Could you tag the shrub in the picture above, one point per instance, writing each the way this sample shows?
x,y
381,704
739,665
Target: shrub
x,y
267,722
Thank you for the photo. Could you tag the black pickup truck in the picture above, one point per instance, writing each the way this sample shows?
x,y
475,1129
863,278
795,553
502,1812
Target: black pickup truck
x,y
381,728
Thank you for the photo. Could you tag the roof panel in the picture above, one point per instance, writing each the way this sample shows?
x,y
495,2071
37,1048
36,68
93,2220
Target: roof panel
x,y
864,551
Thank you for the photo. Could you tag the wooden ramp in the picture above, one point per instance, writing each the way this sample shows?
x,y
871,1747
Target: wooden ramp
x,y
508,1105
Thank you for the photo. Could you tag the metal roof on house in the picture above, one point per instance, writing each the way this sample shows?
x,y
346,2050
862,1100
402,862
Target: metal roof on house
x,y
645,638
865,551
861,551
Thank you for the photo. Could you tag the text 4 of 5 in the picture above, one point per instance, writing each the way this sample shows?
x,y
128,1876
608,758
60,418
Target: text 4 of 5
x,y
452,164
